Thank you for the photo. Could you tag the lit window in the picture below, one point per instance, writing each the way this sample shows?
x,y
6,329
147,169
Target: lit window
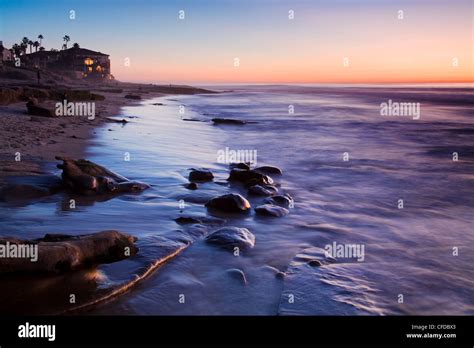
x,y
88,61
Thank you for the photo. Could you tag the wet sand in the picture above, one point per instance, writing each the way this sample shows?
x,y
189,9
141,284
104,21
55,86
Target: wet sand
x,y
39,139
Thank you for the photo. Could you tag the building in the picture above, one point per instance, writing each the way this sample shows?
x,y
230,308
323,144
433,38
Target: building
x,y
5,54
80,62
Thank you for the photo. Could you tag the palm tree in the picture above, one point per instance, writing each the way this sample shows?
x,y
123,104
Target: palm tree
x,y
30,43
16,48
23,46
42,48
66,39
36,44
40,37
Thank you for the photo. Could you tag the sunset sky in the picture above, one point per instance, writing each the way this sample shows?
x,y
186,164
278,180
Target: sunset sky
x,y
271,47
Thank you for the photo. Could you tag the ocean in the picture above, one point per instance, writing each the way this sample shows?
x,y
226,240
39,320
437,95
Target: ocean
x,y
394,194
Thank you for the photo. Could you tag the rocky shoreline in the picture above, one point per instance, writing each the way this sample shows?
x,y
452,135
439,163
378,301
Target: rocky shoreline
x,y
32,135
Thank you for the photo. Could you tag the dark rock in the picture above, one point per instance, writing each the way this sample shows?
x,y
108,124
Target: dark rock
x,y
191,186
249,177
282,200
232,202
200,175
259,190
88,178
240,165
38,110
182,220
123,121
218,120
271,210
269,170
231,237
133,96
157,104
68,253
315,263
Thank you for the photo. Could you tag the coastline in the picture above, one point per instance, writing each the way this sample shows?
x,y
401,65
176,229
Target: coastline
x,y
38,139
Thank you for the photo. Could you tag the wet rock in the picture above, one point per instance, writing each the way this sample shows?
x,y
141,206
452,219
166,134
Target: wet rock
x,y
122,121
315,263
259,190
200,175
39,110
271,210
218,120
185,220
191,186
88,178
231,237
232,202
133,96
60,253
282,200
249,177
269,170
240,165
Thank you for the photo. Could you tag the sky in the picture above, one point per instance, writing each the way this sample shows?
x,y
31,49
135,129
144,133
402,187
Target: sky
x,y
255,41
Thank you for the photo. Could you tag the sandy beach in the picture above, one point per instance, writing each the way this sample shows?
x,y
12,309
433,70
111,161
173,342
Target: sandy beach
x,y
39,139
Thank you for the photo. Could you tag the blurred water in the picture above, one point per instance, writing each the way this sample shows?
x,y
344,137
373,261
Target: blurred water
x,y
408,251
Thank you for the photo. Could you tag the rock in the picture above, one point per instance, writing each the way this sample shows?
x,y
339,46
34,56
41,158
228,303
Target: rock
x,y
280,275
88,178
38,110
240,165
218,120
157,104
60,253
133,96
231,237
200,175
184,220
271,210
232,202
191,186
269,170
282,200
249,177
123,121
259,190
